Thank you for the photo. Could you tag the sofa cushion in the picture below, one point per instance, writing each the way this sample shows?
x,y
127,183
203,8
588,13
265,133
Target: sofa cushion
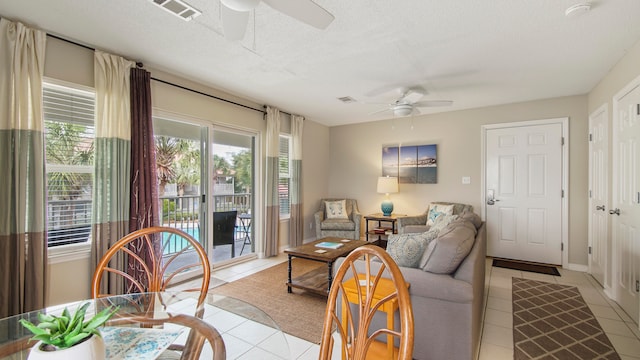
x,y
472,217
446,252
436,210
407,249
336,209
338,224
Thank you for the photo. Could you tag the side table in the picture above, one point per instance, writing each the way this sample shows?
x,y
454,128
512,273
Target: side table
x,y
386,225
384,288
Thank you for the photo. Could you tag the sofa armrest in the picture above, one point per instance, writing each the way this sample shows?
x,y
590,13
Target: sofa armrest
x,y
357,219
319,216
411,220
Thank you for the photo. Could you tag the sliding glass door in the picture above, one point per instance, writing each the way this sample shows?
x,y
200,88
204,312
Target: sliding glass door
x,y
206,186
233,195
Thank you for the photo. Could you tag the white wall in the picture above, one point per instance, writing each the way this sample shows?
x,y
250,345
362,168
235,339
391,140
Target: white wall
x,y
356,159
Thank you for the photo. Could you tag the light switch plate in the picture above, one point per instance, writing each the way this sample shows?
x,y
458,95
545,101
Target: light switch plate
x,y
466,180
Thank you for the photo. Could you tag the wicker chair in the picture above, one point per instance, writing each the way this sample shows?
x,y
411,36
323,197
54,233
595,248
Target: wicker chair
x,y
354,336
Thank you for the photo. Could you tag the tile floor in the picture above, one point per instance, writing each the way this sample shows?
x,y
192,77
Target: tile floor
x,y
497,338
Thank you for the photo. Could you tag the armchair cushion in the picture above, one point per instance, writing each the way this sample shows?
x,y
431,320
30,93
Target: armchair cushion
x,y
336,209
338,224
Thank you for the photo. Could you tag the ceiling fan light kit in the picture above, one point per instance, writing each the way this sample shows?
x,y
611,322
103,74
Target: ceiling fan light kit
x,y
241,5
402,110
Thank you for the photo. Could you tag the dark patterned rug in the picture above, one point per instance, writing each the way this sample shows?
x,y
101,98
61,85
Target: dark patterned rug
x,y
552,321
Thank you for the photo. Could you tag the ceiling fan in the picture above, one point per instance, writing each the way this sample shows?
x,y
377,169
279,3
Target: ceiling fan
x,y
408,104
235,14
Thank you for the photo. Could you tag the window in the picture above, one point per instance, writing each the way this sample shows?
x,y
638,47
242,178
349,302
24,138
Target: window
x,y
284,175
69,151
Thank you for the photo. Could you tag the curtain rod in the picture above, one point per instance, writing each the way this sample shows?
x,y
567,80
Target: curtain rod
x,y
139,64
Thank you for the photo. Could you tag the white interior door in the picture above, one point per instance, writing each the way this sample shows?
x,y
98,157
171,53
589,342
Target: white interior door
x,y
599,244
626,199
524,192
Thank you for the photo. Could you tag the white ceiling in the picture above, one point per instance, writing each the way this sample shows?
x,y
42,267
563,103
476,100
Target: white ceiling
x,y
476,53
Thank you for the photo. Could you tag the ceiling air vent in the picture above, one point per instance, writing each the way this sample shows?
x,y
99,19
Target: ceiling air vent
x,y
179,8
347,99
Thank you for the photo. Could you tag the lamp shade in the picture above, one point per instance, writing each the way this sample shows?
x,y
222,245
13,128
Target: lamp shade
x,y
387,184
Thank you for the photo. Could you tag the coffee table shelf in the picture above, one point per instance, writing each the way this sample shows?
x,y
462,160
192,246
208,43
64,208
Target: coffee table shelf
x,y
318,280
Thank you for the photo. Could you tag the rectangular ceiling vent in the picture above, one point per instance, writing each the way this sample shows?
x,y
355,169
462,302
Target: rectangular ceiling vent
x,y
347,99
179,8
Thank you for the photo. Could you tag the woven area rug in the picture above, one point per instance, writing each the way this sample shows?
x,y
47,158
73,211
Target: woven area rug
x,y
552,321
299,314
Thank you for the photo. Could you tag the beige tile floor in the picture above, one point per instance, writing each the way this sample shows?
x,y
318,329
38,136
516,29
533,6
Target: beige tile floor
x,y
497,338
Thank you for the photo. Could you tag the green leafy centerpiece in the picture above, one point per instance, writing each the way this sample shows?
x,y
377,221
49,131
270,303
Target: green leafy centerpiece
x,y
57,334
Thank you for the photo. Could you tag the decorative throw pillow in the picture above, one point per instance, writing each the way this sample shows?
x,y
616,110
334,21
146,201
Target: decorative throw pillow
x,y
336,209
444,254
436,210
442,221
407,249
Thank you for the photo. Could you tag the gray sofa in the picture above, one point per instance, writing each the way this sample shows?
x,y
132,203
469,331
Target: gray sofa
x,y
448,308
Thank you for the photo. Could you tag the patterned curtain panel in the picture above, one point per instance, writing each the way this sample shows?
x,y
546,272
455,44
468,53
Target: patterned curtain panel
x,y
23,236
143,210
272,216
296,221
112,158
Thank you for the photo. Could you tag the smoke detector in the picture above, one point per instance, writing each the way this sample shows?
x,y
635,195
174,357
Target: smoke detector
x,y
577,9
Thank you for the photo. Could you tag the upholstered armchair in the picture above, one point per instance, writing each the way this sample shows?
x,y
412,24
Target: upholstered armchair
x,y
338,218
418,224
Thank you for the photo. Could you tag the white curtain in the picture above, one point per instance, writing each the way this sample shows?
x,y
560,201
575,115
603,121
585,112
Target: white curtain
x,y
296,220
23,235
272,213
112,157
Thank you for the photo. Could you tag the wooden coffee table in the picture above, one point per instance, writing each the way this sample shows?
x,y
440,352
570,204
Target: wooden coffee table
x,y
318,280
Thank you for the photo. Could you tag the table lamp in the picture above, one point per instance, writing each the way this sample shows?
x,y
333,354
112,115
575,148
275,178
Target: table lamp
x,y
387,185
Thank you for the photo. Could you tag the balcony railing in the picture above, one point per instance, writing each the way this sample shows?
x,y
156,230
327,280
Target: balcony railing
x,y
69,221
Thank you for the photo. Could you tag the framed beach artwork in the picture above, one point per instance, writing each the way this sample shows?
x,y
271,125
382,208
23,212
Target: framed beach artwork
x,y
390,161
413,164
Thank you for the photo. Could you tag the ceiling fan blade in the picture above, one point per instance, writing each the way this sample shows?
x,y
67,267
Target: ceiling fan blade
x,y
379,111
234,23
412,96
433,103
303,10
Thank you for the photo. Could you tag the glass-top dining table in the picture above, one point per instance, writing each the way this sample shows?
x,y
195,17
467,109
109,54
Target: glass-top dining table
x,y
169,320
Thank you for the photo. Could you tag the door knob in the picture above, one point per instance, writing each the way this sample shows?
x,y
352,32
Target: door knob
x,y
616,212
600,207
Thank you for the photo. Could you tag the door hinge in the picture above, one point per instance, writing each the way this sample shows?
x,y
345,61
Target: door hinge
x,y
204,198
561,246
590,194
589,250
590,137
637,109
562,143
637,285
562,194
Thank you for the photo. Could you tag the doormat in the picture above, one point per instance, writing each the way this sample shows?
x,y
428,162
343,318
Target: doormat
x,y
524,266
552,321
